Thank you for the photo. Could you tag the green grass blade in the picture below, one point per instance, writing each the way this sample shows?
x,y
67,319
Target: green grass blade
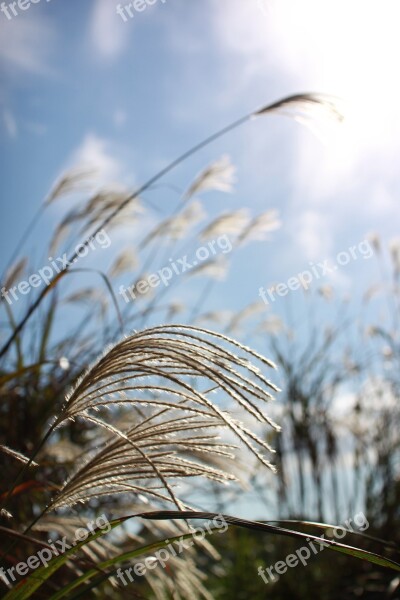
x,y
386,543
29,585
365,555
117,560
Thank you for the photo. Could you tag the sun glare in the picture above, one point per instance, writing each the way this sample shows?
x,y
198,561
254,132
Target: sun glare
x,y
357,59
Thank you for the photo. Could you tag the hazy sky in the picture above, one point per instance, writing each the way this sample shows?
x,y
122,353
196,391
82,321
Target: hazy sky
x,y
81,84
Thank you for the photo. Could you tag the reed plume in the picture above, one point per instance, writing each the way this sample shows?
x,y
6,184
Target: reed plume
x,y
167,378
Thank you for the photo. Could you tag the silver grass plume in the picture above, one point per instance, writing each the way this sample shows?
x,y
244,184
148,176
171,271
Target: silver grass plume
x,y
307,105
219,175
177,226
74,180
165,376
232,223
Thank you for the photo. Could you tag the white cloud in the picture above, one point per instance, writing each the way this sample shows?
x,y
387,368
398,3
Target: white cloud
x,y
109,35
26,44
94,153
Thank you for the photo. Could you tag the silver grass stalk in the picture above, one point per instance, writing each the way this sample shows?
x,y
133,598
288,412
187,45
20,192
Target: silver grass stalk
x,y
17,455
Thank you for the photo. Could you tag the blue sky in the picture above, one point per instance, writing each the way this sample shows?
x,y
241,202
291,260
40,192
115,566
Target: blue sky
x,y
78,84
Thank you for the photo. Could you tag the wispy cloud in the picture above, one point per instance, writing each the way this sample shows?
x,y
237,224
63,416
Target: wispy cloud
x,y
108,34
26,45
